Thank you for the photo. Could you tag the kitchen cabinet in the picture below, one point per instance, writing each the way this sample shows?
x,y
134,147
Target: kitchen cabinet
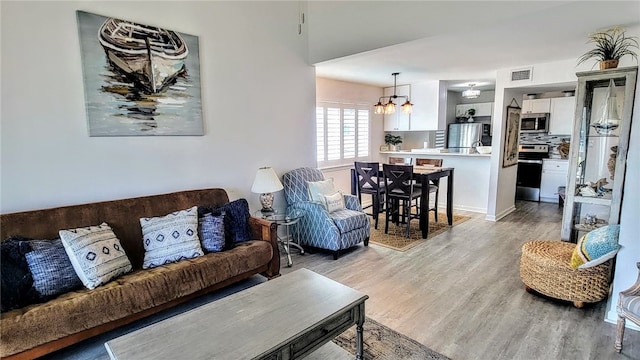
x,y
554,174
534,106
482,109
561,121
429,111
398,121
599,145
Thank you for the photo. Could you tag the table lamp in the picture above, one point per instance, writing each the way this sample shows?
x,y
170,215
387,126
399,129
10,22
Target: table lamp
x,y
265,184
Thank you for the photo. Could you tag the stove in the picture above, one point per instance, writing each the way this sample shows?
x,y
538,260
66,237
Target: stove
x,y
529,173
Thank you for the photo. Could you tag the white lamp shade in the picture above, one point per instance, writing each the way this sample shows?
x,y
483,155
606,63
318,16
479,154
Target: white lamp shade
x,y
266,181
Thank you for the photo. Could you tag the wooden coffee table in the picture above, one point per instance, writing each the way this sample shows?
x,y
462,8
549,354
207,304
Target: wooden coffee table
x,y
289,317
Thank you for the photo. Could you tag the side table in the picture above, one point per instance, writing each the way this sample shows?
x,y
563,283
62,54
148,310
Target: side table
x,y
287,220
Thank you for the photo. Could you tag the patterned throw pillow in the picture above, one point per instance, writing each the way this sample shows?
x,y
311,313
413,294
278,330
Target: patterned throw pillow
x,y
334,202
52,270
171,238
317,189
16,280
236,220
596,247
211,232
95,253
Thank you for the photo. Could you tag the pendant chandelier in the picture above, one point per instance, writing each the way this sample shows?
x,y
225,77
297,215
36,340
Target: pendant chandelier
x,y
390,107
471,93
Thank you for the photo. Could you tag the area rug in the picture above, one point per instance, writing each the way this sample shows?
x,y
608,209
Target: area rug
x,y
382,343
396,239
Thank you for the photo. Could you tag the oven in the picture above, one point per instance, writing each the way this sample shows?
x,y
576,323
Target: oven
x,y
529,174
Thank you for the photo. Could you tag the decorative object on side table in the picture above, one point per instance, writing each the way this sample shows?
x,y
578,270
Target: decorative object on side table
x,y
610,45
393,141
265,184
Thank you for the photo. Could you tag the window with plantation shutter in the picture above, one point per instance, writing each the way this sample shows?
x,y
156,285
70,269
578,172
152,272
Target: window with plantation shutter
x,y
342,133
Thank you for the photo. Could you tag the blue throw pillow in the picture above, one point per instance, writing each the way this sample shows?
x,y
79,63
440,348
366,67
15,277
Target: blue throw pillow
x,y
211,232
236,220
596,247
51,269
16,282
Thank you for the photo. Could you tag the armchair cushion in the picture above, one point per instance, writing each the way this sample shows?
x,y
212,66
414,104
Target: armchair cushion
x,y
596,247
347,220
318,189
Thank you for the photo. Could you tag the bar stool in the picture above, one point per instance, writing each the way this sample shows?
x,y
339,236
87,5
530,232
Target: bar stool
x,y
434,187
369,182
399,184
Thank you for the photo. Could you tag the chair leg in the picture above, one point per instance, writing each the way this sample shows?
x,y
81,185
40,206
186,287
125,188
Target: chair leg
x,y
620,334
408,211
366,241
386,220
435,206
376,209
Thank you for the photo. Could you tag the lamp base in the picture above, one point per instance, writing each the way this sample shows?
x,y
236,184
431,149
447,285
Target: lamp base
x,y
266,200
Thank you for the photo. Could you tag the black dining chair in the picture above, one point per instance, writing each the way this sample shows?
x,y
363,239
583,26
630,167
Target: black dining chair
x,y
434,187
370,183
401,191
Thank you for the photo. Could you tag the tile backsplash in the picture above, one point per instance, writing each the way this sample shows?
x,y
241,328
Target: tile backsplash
x,y
544,138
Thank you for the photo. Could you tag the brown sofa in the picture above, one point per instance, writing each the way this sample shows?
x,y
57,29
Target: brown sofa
x,y
39,329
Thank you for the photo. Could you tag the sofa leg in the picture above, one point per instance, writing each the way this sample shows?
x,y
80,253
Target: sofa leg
x,y
620,334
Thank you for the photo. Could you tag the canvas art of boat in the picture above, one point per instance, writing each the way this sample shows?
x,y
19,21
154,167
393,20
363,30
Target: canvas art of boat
x,y
151,56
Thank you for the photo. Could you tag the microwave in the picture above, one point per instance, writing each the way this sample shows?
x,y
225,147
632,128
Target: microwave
x,y
534,122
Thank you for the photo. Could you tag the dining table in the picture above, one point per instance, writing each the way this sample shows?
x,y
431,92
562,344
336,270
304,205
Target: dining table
x,y
423,174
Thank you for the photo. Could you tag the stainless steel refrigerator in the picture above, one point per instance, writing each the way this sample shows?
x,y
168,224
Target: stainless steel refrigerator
x,y
463,137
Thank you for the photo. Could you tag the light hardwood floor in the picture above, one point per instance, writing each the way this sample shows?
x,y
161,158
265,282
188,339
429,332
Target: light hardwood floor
x,y
460,293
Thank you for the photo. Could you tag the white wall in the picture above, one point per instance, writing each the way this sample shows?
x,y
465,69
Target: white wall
x,y
257,89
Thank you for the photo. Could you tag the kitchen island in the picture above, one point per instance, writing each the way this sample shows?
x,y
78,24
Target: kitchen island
x,y
471,181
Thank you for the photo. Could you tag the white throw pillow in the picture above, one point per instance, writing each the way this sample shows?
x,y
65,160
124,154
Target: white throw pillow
x,y
171,238
317,189
95,253
334,202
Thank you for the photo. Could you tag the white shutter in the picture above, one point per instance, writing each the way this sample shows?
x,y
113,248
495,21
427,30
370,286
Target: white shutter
x,y
342,133
363,133
333,133
320,137
349,133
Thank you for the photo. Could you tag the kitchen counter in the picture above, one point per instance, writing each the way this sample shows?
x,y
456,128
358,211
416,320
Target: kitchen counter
x,y
430,153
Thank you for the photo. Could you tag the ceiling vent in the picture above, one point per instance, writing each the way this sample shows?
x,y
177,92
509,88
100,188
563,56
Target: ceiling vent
x,y
522,74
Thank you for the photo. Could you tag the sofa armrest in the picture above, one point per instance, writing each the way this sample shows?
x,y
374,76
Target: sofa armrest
x,y
265,230
351,202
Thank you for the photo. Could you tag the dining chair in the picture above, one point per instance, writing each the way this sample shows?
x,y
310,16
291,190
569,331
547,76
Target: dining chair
x,y
370,182
434,187
400,191
400,160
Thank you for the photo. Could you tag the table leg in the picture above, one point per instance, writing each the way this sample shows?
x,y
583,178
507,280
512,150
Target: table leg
x,y
450,198
360,339
287,248
424,207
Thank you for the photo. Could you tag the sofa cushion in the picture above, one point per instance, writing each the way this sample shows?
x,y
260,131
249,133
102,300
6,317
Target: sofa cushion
x,y
596,247
211,232
16,281
171,238
51,268
129,294
347,220
96,254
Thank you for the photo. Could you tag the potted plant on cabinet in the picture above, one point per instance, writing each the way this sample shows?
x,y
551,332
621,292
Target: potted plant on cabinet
x,y
393,141
611,44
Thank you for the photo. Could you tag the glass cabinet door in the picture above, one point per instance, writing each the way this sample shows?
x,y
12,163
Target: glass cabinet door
x,y
604,101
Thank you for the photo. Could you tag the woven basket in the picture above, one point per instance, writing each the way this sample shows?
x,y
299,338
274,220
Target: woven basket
x,y
544,267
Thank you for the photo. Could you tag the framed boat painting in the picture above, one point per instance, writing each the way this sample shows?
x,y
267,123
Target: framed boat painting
x,y
510,152
139,79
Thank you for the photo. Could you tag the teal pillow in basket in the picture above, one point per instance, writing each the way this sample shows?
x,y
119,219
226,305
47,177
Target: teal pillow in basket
x,y
596,247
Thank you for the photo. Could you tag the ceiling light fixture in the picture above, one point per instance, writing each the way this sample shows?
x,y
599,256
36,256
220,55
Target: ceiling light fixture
x,y
390,107
471,93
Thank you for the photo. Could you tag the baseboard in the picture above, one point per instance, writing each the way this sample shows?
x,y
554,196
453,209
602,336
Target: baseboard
x,y
500,215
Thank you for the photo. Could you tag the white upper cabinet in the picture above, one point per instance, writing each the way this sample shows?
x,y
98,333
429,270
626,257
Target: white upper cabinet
x,y
561,121
398,121
536,106
430,103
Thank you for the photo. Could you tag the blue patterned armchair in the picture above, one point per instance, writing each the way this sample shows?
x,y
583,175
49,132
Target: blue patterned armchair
x,y
334,231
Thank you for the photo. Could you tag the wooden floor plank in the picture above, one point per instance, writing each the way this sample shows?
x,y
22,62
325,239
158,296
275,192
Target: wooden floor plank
x,y
460,293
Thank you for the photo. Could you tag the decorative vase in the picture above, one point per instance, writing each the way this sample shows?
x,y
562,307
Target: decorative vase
x,y
608,64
